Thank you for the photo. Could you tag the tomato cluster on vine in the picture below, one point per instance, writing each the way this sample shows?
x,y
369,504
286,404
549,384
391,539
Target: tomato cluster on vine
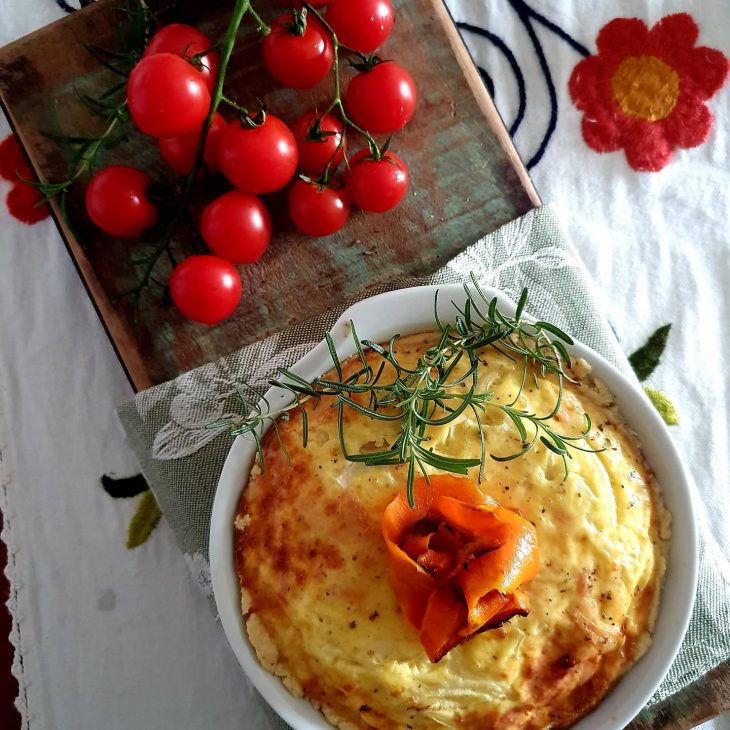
x,y
174,88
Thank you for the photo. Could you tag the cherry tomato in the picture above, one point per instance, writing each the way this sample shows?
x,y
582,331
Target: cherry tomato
x,y
382,100
236,227
362,25
206,289
258,160
317,210
116,201
167,96
179,152
376,185
184,40
318,146
298,60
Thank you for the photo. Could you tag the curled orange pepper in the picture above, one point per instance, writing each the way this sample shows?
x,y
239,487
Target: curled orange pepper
x,y
457,561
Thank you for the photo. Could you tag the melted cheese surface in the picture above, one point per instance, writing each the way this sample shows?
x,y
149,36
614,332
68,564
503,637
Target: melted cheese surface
x,y
320,611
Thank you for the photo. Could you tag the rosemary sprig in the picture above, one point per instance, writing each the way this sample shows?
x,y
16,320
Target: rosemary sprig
x,y
431,394
84,151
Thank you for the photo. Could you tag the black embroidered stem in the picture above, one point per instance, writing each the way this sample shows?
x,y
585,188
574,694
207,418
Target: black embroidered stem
x,y
124,487
70,8
527,15
516,70
487,79
523,12
578,47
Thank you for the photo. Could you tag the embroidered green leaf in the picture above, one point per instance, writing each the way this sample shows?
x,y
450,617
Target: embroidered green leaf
x,y
145,520
646,358
665,407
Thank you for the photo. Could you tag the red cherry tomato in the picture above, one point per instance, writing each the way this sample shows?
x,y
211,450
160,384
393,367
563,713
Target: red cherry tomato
x,y
206,289
116,201
179,152
362,25
382,100
376,185
317,146
299,61
258,160
316,210
236,227
184,40
167,96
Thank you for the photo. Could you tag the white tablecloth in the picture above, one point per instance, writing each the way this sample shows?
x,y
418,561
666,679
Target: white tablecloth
x,y
113,638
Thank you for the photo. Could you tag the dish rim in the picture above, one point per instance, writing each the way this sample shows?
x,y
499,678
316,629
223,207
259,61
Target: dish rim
x,y
409,311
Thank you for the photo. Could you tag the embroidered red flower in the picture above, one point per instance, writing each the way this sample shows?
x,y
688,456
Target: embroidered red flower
x,y
23,199
645,90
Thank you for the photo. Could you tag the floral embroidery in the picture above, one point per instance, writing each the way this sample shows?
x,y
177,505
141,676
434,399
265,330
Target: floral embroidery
x,y
199,398
23,199
664,406
530,19
644,362
645,90
144,521
147,514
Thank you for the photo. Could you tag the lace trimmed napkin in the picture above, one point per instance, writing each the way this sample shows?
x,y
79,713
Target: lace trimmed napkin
x,y
182,459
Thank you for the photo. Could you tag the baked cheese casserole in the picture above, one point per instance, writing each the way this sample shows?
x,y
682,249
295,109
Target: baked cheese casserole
x,y
318,594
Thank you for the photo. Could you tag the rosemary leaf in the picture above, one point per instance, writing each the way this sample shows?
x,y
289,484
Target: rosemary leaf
x,y
333,354
430,395
552,329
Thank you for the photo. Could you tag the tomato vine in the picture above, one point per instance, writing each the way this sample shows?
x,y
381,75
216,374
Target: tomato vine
x,y
151,66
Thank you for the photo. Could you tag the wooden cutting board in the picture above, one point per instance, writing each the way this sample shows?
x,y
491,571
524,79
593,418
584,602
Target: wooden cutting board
x,y
466,180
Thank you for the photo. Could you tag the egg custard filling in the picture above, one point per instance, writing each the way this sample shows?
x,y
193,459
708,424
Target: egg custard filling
x,y
512,602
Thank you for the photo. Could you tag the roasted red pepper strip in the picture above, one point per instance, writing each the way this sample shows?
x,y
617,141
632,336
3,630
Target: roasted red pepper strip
x,y
457,561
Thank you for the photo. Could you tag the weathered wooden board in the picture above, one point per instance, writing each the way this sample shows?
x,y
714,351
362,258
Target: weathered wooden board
x,y
706,698
466,181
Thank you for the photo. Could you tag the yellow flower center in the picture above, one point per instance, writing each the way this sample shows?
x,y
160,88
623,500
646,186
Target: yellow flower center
x,y
645,87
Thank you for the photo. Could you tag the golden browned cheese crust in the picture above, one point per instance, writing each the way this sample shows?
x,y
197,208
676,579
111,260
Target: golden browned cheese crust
x,y
314,573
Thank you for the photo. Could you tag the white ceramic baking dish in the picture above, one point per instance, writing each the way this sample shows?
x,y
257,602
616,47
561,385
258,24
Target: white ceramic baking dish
x,y
408,311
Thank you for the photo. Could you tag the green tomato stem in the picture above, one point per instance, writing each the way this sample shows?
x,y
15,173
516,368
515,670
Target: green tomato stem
x,y
240,10
240,109
337,98
263,28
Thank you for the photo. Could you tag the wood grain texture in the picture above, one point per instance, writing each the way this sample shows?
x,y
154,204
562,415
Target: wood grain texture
x,y
701,701
466,181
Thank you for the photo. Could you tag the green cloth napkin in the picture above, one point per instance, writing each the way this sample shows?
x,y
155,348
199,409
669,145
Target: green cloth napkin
x,y
182,459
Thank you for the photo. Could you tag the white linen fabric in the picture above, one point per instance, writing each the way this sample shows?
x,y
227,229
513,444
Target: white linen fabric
x,y
112,638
